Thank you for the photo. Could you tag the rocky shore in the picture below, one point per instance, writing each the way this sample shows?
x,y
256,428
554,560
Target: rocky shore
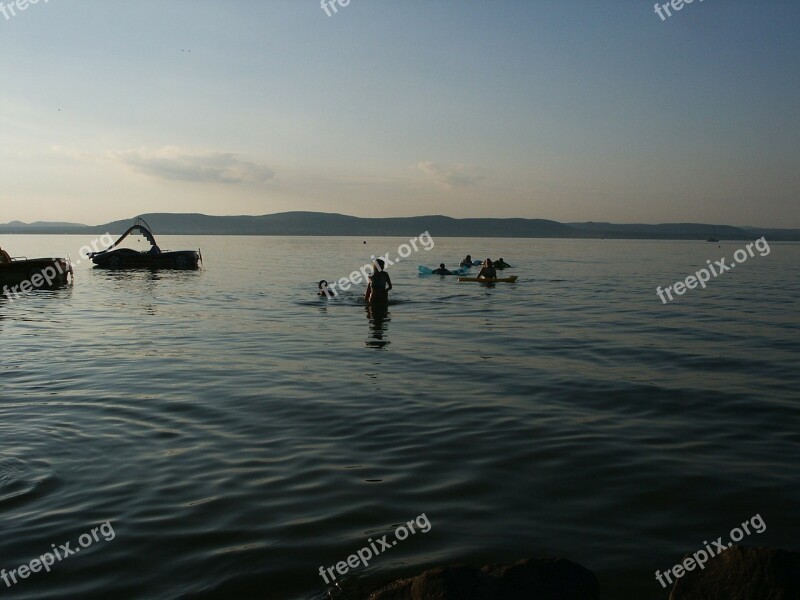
x,y
740,572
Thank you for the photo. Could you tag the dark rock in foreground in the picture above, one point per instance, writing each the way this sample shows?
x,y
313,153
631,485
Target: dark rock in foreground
x,y
540,579
742,573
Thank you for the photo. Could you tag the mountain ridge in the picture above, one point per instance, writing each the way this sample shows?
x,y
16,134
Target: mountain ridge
x,y
308,223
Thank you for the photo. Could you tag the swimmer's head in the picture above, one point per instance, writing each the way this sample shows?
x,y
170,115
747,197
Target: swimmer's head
x,y
322,284
380,263
441,266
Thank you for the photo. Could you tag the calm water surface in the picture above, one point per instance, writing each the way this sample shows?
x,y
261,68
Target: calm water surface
x,y
239,432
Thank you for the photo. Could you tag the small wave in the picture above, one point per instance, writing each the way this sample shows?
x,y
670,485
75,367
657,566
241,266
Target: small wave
x,y
22,481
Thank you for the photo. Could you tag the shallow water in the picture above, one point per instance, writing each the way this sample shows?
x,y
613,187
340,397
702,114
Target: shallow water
x,y
239,433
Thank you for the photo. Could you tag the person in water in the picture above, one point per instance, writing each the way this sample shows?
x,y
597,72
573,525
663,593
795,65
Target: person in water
x,y
488,271
501,264
467,262
442,270
323,289
5,259
379,285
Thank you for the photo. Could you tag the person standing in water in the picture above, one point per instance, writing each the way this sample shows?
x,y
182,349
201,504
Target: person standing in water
x,y
379,285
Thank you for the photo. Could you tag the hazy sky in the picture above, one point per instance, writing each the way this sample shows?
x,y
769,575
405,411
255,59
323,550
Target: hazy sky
x,y
563,109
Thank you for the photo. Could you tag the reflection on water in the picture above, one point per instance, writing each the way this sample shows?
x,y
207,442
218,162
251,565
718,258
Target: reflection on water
x,y
240,432
379,319
60,290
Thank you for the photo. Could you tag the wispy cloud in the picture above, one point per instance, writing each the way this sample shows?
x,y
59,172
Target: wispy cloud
x,y
449,176
173,164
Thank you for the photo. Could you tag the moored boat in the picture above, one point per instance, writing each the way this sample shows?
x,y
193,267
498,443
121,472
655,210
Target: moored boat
x,y
26,274
154,258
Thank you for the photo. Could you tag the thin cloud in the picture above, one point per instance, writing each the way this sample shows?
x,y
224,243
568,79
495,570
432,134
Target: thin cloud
x,y
449,176
173,164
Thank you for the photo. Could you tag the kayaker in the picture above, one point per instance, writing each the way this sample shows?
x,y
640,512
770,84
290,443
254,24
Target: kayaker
x,y
5,259
379,285
442,270
501,264
467,262
488,271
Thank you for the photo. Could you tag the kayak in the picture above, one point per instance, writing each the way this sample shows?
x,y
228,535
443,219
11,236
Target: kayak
x,y
511,279
427,271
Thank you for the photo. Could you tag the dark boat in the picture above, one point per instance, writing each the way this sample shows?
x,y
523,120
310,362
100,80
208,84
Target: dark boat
x,y
26,274
155,258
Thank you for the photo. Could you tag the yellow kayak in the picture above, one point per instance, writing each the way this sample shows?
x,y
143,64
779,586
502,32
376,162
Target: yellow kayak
x,y
511,279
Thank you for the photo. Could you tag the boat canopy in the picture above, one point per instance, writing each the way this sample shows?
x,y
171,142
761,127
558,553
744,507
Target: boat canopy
x,y
142,227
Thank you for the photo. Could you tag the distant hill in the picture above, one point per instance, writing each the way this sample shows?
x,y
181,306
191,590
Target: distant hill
x,y
39,227
311,223
315,223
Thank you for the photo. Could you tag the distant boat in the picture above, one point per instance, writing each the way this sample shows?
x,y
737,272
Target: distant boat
x,y
155,258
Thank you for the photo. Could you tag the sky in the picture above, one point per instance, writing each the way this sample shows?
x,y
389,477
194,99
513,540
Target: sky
x,y
572,110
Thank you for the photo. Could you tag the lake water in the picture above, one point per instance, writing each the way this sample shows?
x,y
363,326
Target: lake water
x,y
239,433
